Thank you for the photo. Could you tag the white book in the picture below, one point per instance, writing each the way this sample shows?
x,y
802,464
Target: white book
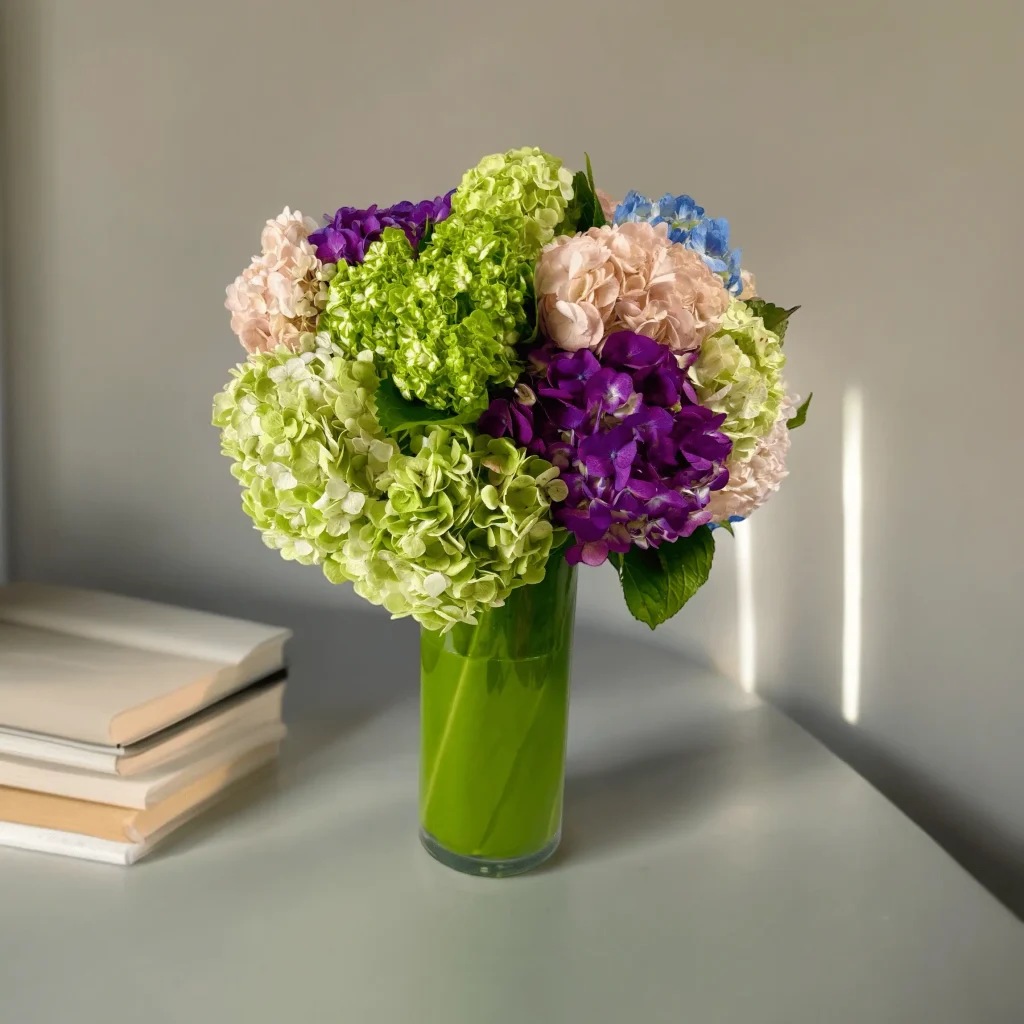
x,y
139,791
71,844
223,723
108,670
109,851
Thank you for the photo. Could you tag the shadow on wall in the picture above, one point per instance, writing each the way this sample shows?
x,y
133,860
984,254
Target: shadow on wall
x,y
340,657
994,858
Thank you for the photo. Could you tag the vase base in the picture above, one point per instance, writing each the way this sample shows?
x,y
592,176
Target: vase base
x,y
486,867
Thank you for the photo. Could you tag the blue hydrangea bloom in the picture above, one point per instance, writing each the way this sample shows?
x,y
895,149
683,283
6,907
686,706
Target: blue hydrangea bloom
x,y
687,224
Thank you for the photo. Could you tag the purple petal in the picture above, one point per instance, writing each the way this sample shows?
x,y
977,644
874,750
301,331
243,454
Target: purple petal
x,y
570,371
651,423
567,417
350,230
522,424
662,387
595,552
633,350
643,489
609,389
664,501
560,453
497,420
696,519
623,462
618,539
600,515
608,443
589,523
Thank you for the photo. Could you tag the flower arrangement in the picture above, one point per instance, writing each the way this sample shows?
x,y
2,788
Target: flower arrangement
x,y
441,397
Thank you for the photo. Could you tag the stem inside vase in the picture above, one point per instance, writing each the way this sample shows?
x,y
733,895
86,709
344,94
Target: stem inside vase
x,y
494,708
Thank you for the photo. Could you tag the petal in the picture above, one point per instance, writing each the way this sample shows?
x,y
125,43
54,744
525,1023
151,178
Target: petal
x,y
595,552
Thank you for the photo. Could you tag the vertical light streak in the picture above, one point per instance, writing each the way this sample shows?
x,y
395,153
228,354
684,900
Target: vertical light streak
x,y
853,560
746,623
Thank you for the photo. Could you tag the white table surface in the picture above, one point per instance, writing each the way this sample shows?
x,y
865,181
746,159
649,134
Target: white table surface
x,y
719,867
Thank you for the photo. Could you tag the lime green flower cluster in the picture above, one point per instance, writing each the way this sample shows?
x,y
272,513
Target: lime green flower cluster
x,y
443,323
524,190
438,534
739,373
467,520
307,448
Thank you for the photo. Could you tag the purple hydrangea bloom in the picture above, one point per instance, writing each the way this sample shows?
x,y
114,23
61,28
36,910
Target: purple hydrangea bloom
x,y
347,234
638,453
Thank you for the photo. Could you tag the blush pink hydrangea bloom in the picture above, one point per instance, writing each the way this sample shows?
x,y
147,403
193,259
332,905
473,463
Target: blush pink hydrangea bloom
x,y
578,284
753,482
277,298
627,277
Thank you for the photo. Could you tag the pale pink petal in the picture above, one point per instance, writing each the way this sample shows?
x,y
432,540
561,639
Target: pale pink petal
x,y
753,482
254,334
277,298
574,325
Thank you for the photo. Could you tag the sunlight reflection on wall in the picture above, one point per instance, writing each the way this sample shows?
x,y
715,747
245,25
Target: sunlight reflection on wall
x,y
746,622
853,521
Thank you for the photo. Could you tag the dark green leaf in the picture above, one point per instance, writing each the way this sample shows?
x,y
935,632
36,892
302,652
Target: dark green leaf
x,y
799,418
775,317
396,413
599,220
644,585
428,234
689,559
656,584
585,209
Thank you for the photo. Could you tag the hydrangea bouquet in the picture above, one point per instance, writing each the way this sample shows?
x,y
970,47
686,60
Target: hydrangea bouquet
x,y
452,403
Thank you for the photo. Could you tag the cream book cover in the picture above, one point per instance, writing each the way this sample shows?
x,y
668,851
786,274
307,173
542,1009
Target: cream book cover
x,y
225,722
122,824
40,839
139,791
110,670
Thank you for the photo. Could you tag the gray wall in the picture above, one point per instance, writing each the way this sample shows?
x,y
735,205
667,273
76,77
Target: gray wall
x,y
868,156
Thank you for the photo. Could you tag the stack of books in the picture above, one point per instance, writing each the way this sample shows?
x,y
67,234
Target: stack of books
x,y
122,719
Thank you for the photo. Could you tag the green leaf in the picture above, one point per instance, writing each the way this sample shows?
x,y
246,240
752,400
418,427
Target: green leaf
x,y
585,209
396,413
599,220
583,202
426,236
657,583
775,318
727,526
799,418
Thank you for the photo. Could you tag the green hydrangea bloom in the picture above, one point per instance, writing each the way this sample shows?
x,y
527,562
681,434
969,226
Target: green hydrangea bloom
x,y
307,448
467,520
525,190
739,372
440,533
444,325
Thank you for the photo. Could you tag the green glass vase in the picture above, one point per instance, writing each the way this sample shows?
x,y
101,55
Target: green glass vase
x,y
494,707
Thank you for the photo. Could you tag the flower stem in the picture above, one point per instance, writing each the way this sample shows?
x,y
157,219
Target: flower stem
x,y
461,687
